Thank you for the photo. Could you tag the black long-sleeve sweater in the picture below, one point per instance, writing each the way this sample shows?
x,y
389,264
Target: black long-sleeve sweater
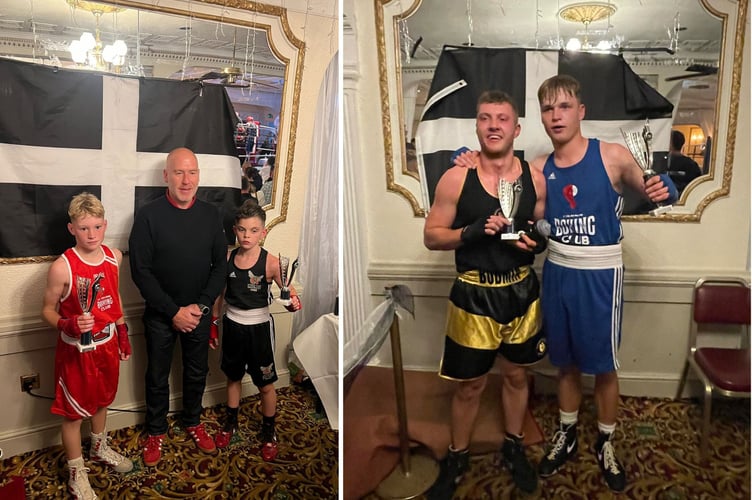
x,y
178,256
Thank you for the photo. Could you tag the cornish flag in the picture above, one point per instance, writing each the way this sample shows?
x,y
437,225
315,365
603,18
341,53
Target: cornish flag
x,y
66,131
614,97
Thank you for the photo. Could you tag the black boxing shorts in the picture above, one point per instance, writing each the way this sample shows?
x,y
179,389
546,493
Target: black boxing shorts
x,y
492,314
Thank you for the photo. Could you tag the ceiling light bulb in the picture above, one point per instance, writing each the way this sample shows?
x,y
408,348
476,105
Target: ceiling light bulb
x,y
108,54
87,40
78,51
574,44
120,48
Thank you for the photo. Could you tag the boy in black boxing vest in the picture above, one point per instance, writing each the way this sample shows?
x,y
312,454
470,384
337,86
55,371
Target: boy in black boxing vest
x,y
248,339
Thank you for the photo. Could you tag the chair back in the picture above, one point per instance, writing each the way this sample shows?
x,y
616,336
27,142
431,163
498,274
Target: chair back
x,y
722,301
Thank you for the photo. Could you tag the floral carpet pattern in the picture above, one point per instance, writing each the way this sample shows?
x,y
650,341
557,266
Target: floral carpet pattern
x,y
657,441
305,468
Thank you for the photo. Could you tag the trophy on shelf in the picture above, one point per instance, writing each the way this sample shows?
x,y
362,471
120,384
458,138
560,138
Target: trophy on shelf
x,y
509,201
638,144
87,296
286,279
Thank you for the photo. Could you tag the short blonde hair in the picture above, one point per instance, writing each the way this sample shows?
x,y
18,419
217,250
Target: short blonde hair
x,y
549,90
84,204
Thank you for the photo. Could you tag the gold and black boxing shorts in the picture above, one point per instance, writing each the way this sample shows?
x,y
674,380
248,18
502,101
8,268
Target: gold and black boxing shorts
x,y
490,314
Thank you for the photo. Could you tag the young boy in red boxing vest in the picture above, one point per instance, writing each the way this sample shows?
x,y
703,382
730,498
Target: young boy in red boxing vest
x,y
82,298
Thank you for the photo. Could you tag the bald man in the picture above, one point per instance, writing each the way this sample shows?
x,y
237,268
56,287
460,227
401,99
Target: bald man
x,y
178,261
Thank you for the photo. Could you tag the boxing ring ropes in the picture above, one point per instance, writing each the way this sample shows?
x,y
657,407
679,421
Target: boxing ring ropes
x,y
416,470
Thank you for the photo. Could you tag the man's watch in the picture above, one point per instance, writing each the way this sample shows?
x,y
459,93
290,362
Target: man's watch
x,y
204,309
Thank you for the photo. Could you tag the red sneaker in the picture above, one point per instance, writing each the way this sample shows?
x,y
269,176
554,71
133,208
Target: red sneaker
x,y
223,438
269,444
203,440
269,451
153,450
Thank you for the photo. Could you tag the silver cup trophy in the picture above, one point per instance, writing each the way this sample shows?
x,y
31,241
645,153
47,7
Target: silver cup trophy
x,y
639,144
509,202
87,296
286,278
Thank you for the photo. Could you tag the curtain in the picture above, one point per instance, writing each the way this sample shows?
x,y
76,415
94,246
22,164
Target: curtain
x,y
319,239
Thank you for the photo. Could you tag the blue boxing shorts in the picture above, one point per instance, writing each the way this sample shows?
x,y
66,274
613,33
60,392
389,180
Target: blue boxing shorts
x,y
582,300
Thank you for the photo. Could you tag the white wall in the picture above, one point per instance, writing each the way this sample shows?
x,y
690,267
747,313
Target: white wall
x,y
662,259
27,345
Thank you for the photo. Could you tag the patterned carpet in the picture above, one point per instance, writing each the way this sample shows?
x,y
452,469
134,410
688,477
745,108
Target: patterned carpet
x,y
306,467
658,443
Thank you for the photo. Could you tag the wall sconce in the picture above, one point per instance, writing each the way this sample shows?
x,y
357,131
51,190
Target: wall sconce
x,y
696,138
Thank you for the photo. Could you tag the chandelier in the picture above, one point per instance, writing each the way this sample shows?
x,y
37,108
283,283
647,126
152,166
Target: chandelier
x,y
89,50
586,13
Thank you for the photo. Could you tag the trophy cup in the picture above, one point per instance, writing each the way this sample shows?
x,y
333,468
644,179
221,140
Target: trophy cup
x,y
286,279
639,145
87,296
509,201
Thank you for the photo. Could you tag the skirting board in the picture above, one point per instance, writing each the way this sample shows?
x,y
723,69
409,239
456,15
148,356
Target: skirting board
x,y
23,440
650,385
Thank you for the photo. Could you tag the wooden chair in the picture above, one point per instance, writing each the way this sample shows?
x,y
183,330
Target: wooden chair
x,y
724,371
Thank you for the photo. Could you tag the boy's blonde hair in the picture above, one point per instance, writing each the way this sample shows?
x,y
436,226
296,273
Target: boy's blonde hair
x,y
549,90
84,204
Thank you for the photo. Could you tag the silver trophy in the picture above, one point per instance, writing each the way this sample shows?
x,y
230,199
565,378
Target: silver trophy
x,y
286,279
638,144
87,296
509,201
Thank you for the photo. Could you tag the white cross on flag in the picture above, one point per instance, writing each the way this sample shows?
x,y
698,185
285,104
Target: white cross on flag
x,y
614,97
67,131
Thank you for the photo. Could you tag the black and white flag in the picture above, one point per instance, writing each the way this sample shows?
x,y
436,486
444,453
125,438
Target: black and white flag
x,y
67,131
614,97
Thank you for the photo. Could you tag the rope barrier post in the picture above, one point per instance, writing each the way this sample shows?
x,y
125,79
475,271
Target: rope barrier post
x,y
417,471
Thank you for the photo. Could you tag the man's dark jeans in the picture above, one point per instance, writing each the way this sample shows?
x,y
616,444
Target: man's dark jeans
x,y
160,345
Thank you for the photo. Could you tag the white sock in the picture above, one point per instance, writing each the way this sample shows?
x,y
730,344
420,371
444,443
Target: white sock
x,y
606,429
568,417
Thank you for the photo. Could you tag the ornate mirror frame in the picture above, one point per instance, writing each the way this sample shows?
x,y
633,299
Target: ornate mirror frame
x,y
715,185
284,45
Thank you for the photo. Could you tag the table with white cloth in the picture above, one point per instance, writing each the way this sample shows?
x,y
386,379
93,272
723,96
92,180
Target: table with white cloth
x,y
317,348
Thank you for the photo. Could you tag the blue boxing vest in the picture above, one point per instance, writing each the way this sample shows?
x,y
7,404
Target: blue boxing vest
x,y
581,204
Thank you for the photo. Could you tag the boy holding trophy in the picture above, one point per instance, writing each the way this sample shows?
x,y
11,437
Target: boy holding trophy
x,y
247,325
82,301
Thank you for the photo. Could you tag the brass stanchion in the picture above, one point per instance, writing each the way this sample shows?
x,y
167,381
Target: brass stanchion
x,y
417,471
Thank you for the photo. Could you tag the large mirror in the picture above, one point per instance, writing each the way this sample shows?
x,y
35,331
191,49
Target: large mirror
x,y
246,47
689,51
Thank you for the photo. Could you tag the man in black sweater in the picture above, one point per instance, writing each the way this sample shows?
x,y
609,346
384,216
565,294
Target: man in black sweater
x,y
682,169
178,257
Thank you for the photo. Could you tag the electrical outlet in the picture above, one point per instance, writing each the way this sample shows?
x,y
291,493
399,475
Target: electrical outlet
x,y
29,382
